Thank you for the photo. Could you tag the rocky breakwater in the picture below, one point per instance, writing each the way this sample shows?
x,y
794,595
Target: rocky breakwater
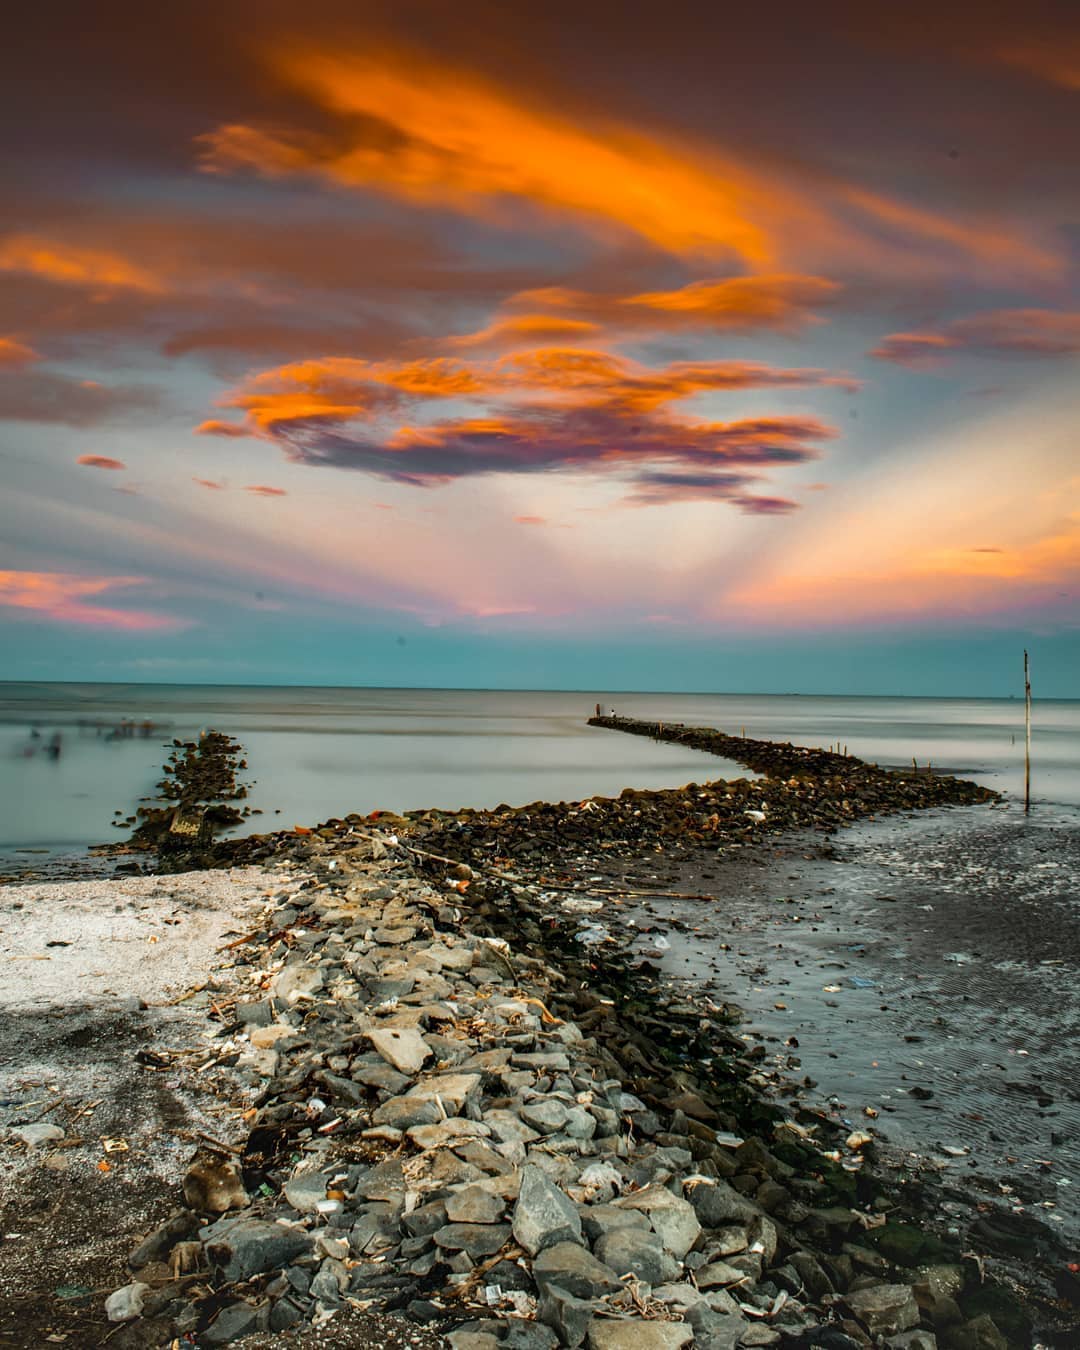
x,y
855,787
429,1129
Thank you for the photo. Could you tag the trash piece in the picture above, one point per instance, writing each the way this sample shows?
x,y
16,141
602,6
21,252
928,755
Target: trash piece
x,y
858,1139
860,982
115,1145
831,989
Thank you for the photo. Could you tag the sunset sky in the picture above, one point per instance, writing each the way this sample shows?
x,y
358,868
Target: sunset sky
x,y
542,344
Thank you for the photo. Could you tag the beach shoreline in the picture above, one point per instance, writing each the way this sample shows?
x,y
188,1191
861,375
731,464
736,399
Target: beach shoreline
x,y
494,894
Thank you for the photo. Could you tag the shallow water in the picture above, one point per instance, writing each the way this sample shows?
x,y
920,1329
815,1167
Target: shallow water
x,y
318,752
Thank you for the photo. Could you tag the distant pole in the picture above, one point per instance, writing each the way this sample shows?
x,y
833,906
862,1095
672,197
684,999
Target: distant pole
x,y
1027,735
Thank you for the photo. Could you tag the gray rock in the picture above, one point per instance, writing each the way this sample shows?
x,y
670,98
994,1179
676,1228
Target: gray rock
x,y
234,1320
718,1275
635,1251
605,1334
885,1309
394,937
477,1239
379,1075
447,1133
545,1115
716,1331
912,1340
574,1269
306,1191
680,1295
39,1133
464,1339
569,1317
672,1219
579,1124
763,1230
981,1333
521,1335
327,1284
126,1303
507,1127
474,1204
809,1269
552,1061
157,1245
241,1248
284,1314
402,1047
719,1205
728,1241
401,1113
453,1090
543,1215
600,1219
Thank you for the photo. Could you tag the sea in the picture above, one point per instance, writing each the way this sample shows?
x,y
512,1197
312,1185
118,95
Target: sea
x,y
74,755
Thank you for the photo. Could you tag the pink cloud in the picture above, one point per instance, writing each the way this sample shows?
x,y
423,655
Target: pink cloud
x,y
209,483
530,520
261,490
1018,332
100,462
62,597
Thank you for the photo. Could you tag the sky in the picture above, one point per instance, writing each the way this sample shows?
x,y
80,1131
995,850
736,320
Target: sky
x,y
542,345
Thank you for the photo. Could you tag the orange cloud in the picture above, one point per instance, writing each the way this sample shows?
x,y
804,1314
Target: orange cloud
x,y
526,328
338,390
261,490
416,128
1023,332
100,462
209,483
62,598
778,302
16,355
1056,62
435,135
72,265
214,427
530,520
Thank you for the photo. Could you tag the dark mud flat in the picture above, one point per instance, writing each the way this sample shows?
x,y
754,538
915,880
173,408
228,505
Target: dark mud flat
x,y
66,1227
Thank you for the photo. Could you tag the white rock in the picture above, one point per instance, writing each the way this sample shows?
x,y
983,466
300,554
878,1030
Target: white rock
x,y
126,1303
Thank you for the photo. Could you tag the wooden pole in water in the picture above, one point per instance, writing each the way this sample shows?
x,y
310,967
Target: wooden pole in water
x,y
1027,735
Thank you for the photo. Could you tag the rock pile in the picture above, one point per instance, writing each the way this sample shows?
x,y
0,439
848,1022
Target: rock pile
x,y
430,1130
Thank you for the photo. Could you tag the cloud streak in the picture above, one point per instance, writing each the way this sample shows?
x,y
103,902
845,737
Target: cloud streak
x,y
1004,332
64,598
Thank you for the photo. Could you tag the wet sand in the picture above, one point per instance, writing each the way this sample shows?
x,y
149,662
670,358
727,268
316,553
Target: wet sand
x,y
923,969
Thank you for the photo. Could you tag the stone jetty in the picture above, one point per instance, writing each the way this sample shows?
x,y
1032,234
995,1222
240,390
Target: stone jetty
x,y
450,1108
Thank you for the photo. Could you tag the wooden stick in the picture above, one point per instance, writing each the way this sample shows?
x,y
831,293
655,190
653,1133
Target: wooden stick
x,y
1027,734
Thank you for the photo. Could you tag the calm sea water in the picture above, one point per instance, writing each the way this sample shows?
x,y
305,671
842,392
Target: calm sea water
x,y
322,752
